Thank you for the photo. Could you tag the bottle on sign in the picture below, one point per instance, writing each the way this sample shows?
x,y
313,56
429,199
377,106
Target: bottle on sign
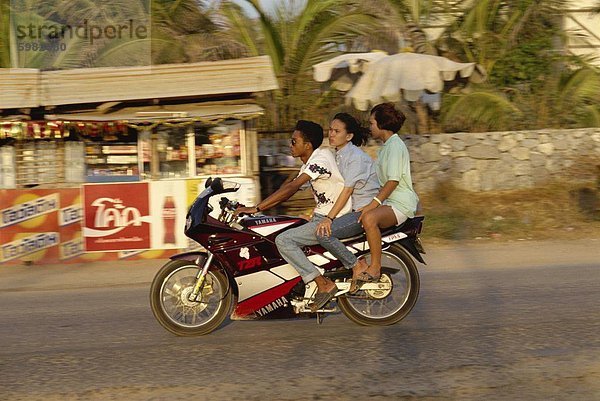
x,y
168,213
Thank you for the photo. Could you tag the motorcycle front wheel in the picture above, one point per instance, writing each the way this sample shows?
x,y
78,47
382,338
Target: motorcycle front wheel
x,y
392,304
171,306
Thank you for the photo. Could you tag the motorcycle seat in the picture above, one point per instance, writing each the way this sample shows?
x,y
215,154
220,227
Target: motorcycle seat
x,y
411,224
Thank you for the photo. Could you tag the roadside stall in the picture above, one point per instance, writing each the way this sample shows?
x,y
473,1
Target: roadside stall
x,y
106,164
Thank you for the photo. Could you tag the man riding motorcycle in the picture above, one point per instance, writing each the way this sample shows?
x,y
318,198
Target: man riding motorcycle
x,y
321,172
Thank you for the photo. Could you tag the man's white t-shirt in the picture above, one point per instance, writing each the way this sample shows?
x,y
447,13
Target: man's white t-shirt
x,y
325,180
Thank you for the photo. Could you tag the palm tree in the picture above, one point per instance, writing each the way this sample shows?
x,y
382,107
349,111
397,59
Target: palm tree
x,y
295,41
189,31
181,31
519,44
73,49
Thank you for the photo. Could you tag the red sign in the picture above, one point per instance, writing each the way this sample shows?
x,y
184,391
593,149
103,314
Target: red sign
x,y
117,216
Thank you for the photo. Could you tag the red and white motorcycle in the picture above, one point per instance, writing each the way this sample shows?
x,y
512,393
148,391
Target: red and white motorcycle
x,y
241,271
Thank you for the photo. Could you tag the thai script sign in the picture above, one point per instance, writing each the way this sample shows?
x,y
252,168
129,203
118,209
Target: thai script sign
x,y
117,217
28,245
29,210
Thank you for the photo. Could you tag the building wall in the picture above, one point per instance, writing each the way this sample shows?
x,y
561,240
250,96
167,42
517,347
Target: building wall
x,y
583,29
502,160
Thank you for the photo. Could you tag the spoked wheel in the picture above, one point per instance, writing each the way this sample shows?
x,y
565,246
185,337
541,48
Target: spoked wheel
x,y
169,299
394,301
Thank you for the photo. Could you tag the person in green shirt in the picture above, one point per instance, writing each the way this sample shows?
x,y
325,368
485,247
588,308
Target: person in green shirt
x,y
396,200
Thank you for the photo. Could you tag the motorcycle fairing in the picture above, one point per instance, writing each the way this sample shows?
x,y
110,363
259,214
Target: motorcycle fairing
x,y
263,289
267,225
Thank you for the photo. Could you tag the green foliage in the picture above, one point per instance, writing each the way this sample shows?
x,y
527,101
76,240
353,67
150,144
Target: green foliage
x,y
478,111
530,85
295,42
524,63
181,31
531,47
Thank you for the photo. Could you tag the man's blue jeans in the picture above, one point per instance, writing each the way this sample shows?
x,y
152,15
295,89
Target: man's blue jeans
x,y
342,227
290,243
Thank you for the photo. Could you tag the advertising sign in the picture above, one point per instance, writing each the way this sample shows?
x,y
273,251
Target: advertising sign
x,y
40,224
168,208
117,216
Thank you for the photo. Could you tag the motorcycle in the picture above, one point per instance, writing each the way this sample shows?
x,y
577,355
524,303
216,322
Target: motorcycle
x,y
240,270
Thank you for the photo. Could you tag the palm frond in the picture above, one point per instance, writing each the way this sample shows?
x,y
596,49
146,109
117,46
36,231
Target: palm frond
x,y
240,27
275,48
328,28
125,52
479,110
164,51
590,117
313,10
580,86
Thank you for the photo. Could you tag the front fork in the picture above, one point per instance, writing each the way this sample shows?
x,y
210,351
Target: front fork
x,y
193,297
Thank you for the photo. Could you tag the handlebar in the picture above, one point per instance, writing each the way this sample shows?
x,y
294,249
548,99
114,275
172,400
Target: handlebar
x,y
227,216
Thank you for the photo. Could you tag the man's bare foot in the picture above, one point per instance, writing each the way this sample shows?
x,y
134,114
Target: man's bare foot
x,y
324,284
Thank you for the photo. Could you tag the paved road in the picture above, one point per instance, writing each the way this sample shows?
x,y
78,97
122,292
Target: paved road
x,y
513,321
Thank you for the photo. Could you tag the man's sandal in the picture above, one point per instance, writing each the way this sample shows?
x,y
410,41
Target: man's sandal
x,y
321,298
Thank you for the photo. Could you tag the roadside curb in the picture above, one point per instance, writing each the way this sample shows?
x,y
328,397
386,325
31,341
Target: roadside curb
x,y
444,257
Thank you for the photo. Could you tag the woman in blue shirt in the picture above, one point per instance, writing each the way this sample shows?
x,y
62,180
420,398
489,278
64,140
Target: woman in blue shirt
x,y
396,200
360,183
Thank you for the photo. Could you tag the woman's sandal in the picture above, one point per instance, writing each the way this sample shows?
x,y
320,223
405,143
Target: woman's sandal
x,y
368,278
354,284
361,278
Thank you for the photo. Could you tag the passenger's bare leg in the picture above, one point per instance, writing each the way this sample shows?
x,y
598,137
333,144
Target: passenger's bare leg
x,y
375,220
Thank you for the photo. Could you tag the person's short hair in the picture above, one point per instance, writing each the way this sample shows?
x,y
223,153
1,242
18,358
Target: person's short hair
x,y
361,134
311,132
388,117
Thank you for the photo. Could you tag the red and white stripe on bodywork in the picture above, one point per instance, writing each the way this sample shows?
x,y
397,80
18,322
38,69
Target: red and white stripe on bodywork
x,y
270,228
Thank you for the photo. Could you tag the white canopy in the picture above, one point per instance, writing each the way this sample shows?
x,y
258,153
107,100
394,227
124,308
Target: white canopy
x,y
339,69
389,78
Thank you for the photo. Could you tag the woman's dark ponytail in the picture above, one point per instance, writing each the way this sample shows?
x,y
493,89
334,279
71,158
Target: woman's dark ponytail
x,y
361,134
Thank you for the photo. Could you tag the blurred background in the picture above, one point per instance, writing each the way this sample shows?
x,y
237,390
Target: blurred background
x,y
514,153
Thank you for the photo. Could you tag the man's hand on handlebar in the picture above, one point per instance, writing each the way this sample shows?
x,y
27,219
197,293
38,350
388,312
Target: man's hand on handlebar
x,y
242,211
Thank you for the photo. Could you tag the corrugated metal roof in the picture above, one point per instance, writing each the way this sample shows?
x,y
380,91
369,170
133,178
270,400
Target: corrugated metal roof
x,y
19,88
254,74
32,88
213,111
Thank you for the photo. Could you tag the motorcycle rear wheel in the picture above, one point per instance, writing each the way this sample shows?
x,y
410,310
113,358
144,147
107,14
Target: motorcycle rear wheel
x,y
169,293
386,307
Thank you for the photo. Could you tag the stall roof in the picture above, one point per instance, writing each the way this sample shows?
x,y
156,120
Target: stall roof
x,y
33,88
19,88
207,112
